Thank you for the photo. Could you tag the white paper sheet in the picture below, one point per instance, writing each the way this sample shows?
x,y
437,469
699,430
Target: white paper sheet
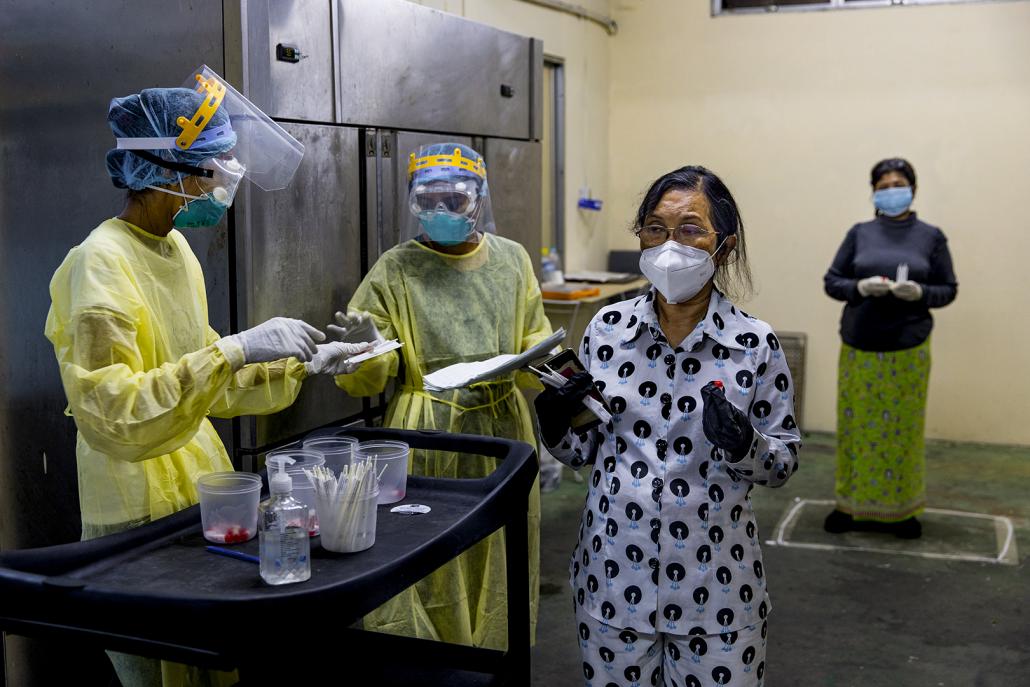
x,y
380,348
464,374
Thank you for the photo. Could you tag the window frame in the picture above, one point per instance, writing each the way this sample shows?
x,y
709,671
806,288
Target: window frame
x,y
557,64
824,5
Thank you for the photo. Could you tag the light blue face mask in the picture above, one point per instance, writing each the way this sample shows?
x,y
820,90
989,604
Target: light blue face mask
x,y
893,201
446,228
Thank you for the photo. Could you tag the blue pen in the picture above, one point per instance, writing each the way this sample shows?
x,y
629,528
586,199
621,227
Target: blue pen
x,y
234,554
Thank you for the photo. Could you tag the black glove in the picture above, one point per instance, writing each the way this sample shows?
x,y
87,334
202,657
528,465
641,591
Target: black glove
x,y
555,408
724,424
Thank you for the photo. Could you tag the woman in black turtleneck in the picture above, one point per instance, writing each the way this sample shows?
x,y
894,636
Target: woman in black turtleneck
x,y
885,356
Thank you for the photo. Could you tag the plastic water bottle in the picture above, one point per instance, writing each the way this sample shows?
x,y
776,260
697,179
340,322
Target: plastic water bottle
x,y
560,275
550,266
285,549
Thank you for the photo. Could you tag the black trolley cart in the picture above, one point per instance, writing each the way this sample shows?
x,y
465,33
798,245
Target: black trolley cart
x,y
155,590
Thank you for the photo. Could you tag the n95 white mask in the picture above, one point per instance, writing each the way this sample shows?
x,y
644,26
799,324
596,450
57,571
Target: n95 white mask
x,y
679,272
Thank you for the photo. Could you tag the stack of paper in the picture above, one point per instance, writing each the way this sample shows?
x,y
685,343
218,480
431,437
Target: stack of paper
x,y
465,374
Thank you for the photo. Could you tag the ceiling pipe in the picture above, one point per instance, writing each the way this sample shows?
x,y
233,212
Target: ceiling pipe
x,y
579,11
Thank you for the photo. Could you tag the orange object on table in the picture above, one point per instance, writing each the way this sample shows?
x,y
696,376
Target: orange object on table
x,y
569,293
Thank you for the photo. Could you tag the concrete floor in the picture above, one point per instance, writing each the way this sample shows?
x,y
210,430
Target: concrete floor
x,y
847,618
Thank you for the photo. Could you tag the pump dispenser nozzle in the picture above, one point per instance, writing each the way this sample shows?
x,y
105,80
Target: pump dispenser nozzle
x,y
279,482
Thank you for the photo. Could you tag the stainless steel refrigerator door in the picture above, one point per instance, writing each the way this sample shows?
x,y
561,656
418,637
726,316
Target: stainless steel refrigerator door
x,y
60,65
280,54
299,253
404,66
513,168
54,119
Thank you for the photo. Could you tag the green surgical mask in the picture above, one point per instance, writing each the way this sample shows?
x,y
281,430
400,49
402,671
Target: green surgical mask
x,y
205,211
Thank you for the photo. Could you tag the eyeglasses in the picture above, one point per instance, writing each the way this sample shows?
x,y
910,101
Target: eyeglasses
x,y
687,234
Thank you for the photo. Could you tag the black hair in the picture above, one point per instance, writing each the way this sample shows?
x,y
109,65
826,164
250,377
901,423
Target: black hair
x,y
893,164
733,275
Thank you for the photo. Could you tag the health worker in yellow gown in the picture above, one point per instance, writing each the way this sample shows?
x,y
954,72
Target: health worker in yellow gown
x,y
140,365
453,292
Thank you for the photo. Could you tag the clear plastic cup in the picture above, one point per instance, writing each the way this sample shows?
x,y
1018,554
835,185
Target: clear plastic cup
x,y
337,451
303,491
348,527
229,506
323,433
391,458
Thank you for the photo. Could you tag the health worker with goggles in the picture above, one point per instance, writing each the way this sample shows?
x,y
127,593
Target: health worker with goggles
x,y
453,292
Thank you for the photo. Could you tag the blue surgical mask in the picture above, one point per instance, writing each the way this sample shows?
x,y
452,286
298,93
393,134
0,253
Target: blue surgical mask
x,y
893,201
203,212
446,228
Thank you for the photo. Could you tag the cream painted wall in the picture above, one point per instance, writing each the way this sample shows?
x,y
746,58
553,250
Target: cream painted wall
x,y
585,47
792,110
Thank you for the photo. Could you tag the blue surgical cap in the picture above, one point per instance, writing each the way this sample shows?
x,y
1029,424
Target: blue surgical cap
x,y
154,112
428,174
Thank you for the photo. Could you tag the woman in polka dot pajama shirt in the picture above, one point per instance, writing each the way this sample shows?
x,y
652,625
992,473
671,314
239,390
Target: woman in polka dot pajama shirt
x,y
667,577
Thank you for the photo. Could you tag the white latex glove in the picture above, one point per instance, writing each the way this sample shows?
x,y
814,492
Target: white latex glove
x,y
874,286
907,290
331,358
355,328
279,337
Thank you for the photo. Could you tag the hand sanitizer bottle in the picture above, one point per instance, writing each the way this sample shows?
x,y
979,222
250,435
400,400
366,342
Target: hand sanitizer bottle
x,y
283,529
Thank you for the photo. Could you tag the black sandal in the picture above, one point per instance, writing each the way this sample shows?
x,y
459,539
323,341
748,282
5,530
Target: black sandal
x,y
838,522
910,528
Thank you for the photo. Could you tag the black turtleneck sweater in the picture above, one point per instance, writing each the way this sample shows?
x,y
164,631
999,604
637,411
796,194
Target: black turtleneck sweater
x,y
876,248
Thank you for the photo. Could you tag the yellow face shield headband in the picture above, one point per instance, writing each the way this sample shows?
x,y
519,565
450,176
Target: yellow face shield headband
x,y
456,160
193,128
213,92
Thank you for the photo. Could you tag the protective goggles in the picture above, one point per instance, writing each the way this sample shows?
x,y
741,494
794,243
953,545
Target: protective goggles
x,y
220,180
457,197
226,175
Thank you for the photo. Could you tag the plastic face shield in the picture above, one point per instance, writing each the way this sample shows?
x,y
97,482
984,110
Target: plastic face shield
x,y
268,155
448,195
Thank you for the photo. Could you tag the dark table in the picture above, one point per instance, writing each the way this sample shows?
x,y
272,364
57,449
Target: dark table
x,y
155,591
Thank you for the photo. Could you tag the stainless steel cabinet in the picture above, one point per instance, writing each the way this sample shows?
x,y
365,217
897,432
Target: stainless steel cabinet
x,y
59,69
403,66
367,82
300,254
514,172
281,53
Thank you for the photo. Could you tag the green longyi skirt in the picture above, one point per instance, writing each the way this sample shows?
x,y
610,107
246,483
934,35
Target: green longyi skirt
x,y
881,417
